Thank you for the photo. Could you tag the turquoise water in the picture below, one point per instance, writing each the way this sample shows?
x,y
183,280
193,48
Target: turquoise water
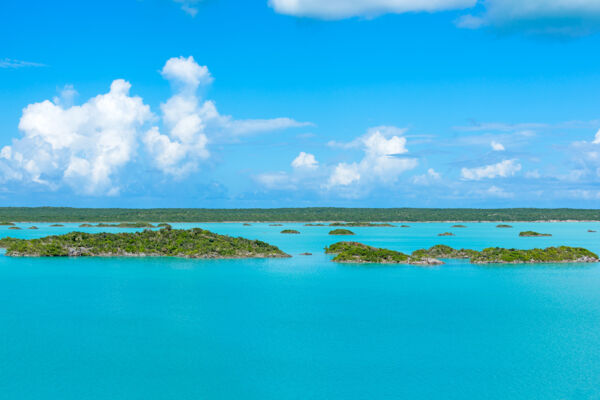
x,y
304,328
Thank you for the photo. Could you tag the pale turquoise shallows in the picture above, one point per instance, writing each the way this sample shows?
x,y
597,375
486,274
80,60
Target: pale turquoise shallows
x,y
304,328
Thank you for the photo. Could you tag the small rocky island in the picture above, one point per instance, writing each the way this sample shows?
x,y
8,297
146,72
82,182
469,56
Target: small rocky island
x,y
459,226
192,243
120,225
358,253
361,224
497,255
290,232
446,234
341,232
503,226
533,234
353,252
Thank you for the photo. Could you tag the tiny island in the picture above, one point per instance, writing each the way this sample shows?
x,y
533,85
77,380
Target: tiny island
x,y
290,232
121,225
362,224
446,234
353,252
341,232
503,226
533,234
192,243
459,226
358,253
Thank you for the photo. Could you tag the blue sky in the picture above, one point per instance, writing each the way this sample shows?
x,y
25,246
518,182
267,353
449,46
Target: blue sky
x,y
223,103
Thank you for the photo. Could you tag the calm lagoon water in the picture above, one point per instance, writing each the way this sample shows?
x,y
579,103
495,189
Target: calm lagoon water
x,y
304,328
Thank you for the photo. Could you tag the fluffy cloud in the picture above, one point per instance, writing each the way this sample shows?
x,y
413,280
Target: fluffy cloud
x,y
337,9
82,146
305,161
192,123
381,161
344,174
427,179
502,169
558,17
497,146
186,72
562,17
597,138
87,146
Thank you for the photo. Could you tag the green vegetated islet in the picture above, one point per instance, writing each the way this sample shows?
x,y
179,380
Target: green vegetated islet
x,y
353,252
361,224
341,232
192,243
533,234
122,225
290,231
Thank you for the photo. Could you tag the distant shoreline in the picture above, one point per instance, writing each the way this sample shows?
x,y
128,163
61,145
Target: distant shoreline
x,y
289,215
299,222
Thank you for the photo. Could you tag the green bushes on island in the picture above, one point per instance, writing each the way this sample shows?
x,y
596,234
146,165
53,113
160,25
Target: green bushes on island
x,y
7,223
16,228
315,225
443,251
497,255
33,227
193,243
56,225
446,234
459,226
361,224
290,231
503,226
120,225
341,232
126,225
354,252
533,234
560,254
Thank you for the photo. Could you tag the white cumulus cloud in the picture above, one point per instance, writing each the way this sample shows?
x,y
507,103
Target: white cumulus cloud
x,y
337,9
568,17
597,138
192,123
88,146
502,169
382,161
83,146
306,161
497,146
